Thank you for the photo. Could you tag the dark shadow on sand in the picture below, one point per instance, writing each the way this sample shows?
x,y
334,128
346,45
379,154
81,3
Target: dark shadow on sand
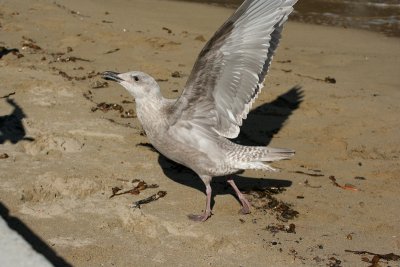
x,y
33,239
11,126
259,128
182,175
4,51
268,119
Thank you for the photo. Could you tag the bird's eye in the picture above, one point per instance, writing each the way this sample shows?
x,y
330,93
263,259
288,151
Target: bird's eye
x,y
136,78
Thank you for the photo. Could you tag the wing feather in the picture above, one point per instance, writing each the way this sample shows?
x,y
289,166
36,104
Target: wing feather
x,y
228,74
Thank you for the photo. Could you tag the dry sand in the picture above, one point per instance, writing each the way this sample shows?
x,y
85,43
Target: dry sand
x,y
64,159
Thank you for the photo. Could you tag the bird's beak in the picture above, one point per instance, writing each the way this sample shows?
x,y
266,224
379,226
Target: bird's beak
x,y
112,76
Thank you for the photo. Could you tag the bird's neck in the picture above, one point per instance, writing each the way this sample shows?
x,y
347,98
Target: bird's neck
x,y
152,115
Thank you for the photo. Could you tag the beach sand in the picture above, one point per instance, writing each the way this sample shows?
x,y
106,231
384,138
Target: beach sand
x,y
60,158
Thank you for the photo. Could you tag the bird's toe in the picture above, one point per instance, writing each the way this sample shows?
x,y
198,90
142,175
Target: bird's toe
x,y
244,210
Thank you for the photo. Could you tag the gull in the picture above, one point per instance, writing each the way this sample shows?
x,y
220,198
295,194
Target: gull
x,y
194,130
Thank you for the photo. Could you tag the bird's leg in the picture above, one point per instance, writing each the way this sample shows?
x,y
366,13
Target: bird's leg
x,y
245,203
207,213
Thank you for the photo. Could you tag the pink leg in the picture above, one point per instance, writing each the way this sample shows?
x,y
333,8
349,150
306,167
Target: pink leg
x,y
245,203
207,213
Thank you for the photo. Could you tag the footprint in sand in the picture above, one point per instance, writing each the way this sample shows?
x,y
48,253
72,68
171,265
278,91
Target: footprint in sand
x,y
51,186
44,144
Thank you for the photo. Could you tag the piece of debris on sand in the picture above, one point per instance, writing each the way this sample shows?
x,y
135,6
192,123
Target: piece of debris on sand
x,y
275,228
346,186
149,199
263,199
138,186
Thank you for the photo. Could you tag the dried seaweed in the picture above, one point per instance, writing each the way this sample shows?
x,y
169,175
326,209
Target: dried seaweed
x,y
310,174
284,61
346,186
88,95
360,178
76,78
169,31
330,79
105,107
73,12
28,43
327,79
275,228
115,190
112,51
4,156
128,114
388,257
375,261
122,124
349,236
333,262
57,57
293,252
149,199
98,84
176,74
263,199
141,185
286,70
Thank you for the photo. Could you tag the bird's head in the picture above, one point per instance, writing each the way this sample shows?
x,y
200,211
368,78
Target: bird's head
x,y
139,84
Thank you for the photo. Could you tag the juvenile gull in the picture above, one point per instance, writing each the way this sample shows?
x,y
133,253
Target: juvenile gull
x,y
228,75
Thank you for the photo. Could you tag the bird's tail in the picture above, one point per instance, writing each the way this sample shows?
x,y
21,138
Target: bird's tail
x,y
253,157
270,154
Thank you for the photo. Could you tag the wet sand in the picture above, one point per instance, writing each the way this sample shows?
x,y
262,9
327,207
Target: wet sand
x,y
60,155
381,16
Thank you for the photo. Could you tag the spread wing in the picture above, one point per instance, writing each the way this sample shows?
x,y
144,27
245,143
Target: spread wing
x,y
230,70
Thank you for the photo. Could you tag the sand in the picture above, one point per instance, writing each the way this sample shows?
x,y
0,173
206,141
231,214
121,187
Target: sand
x,y
64,157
